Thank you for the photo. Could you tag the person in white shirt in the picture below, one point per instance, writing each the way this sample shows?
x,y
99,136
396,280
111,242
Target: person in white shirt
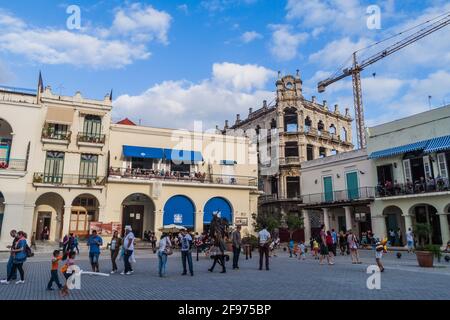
x,y
164,246
410,240
264,243
128,246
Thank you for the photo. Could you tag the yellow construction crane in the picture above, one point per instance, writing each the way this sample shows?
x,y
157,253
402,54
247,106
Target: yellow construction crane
x,y
355,70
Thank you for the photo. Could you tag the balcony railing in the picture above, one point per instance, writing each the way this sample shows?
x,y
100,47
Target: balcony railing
x,y
291,160
60,136
13,164
311,132
340,196
177,176
276,197
68,179
419,187
91,138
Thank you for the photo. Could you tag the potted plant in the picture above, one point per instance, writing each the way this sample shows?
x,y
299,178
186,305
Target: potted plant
x,y
424,253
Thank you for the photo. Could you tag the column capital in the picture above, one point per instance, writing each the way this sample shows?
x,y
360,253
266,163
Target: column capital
x,y
326,210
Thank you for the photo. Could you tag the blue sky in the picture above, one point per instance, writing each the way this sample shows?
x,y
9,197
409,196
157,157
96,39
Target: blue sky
x,y
173,62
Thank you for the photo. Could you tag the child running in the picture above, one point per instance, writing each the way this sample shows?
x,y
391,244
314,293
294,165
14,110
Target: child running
x,y
54,271
301,250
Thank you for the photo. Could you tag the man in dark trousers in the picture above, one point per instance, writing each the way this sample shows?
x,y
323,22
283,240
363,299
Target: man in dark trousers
x,y
237,243
264,242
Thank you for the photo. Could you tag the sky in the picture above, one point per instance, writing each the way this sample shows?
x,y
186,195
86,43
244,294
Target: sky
x,y
170,63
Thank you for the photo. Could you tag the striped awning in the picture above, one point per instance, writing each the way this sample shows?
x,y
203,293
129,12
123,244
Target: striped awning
x,y
438,144
399,150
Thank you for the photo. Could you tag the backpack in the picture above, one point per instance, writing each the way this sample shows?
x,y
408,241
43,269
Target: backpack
x,y
28,251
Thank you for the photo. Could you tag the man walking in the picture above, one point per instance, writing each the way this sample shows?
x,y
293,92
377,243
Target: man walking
x,y
237,243
128,246
264,242
9,266
410,240
186,253
94,243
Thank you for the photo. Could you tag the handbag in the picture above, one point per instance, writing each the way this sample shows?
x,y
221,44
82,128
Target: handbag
x,y
168,249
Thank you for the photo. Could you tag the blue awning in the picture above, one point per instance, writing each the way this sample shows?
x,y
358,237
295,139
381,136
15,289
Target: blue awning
x,y
179,210
143,152
438,144
182,155
399,150
227,162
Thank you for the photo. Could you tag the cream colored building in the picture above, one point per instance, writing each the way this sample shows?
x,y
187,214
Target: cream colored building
x,y
410,161
337,191
64,165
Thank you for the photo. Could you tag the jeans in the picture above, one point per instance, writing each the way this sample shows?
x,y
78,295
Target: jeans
x,y
162,263
93,257
17,266
236,253
114,254
9,269
54,278
263,250
187,255
126,259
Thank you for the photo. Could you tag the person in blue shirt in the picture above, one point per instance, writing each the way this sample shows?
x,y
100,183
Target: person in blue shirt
x,y
94,243
291,248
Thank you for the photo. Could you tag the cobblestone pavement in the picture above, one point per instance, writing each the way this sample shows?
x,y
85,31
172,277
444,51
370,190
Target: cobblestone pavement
x,y
289,278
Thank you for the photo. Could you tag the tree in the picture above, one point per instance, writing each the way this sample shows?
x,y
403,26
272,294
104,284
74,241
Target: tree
x,y
293,222
271,221
423,232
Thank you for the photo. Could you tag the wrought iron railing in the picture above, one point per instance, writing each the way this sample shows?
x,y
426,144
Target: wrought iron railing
x,y
55,135
178,176
13,164
419,187
340,195
68,179
91,138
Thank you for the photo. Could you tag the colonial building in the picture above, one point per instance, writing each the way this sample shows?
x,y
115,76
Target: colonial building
x,y
292,131
337,191
411,159
66,168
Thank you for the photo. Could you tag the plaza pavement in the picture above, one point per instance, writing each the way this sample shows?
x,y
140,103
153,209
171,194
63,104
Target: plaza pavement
x,y
288,279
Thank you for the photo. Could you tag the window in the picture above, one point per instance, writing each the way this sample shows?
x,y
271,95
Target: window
x,y
290,120
273,124
322,152
92,126
88,166
333,152
274,185
320,127
56,131
307,124
54,167
142,163
384,173
332,129
344,134
309,152
293,187
182,168
291,149
442,165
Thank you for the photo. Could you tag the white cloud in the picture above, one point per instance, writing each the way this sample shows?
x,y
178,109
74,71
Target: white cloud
x,y
126,41
5,73
143,22
183,8
250,36
284,43
177,104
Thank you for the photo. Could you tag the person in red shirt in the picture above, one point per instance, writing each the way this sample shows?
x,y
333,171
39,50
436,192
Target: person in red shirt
x,y
54,272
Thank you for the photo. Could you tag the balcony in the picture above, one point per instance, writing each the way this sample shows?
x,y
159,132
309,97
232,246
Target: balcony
x,y
418,188
88,139
58,137
323,134
13,164
335,137
42,179
364,193
275,197
312,132
144,175
291,161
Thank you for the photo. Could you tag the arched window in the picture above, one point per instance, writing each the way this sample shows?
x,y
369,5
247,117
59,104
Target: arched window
x,y
322,152
290,120
344,134
307,124
332,129
273,124
320,127
5,143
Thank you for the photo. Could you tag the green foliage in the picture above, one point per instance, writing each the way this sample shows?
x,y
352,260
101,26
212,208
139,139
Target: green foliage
x,y
294,222
251,240
433,248
422,231
271,221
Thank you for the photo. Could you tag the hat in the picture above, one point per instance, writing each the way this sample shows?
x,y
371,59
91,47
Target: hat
x,y
128,228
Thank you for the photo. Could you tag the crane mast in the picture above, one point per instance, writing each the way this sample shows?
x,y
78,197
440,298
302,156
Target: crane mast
x,y
355,71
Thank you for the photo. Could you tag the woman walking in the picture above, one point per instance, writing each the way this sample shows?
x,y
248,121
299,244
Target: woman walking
x,y
19,252
165,249
114,247
353,246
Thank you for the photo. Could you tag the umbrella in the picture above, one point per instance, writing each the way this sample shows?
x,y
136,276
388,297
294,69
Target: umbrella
x,y
172,228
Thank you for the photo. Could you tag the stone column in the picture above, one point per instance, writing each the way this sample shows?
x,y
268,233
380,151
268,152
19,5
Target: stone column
x,y
300,121
302,152
306,224
158,222
445,233
66,220
11,220
348,217
282,189
280,121
102,214
408,223
198,222
326,218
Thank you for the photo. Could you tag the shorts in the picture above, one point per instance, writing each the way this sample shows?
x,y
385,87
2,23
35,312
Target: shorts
x,y
379,254
323,250
93,257
410,244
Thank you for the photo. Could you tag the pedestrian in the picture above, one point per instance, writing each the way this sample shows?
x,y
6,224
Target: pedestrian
x,y
76,241
186,251
392,237
153,241
315,249
65,271
165,249
218,256
94,243
324,245
54,271
330,246
301,251
114,248
9,266
335,241
128,246
237,244
400,237
342,243
65,244
352,242
291,248
410,240
379,250
263,242
19,252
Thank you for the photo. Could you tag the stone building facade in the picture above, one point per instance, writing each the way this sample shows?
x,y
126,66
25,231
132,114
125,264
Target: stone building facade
x,y
292,130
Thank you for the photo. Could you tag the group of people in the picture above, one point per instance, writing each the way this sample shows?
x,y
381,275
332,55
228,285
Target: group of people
x,y
154,173
19,252
428,184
